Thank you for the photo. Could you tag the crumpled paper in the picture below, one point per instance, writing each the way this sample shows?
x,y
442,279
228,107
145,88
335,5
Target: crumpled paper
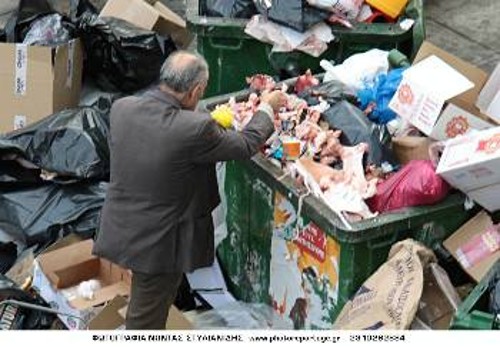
x,y
313,42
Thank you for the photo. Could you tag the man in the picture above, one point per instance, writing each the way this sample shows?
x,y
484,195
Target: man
x,y
156,220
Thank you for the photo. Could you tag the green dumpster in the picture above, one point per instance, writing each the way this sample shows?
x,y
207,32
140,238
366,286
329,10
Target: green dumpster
x,y
473,313
290,250
233,55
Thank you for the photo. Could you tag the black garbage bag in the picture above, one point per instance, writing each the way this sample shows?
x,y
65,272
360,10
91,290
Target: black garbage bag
x,y
40,216
331,91
8,256
15,317
229,8
71,144
18,15
121,56
296,14
357,128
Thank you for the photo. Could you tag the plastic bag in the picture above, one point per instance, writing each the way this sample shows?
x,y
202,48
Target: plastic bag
x,y
346,8
40,216
48,31
358,70
380,94
356,129
20,17
230,8
416,184
121,56
13,317
71,145
296,14
239,316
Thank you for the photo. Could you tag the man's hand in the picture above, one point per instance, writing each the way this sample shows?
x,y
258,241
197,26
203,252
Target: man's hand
x,y
276,99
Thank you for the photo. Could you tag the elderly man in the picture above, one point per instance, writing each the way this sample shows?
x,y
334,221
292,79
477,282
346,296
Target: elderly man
x,y
156,220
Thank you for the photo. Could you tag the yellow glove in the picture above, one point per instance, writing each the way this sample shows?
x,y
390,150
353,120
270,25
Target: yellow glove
x,y
223,115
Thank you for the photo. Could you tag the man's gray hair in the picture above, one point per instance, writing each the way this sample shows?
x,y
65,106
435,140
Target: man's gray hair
x,y
181,75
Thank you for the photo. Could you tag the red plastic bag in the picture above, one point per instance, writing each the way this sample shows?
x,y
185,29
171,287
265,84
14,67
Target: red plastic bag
x,y
415,184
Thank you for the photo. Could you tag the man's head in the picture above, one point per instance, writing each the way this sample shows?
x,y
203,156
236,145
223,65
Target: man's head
x,y
185,75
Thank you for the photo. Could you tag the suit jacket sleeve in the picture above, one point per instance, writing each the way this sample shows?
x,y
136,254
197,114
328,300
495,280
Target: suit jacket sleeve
x,y
217,144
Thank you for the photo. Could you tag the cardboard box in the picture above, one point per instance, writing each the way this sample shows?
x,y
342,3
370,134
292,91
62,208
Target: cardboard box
x,y
37,81
439,300
487,197
476,226
472,161
157,17
440,82
70,265
489,98
408,148
112,317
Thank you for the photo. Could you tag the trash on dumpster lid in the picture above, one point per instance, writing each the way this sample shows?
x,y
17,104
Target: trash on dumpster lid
x,y
156,17
475,230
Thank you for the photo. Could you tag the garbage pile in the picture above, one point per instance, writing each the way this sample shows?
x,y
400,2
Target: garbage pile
x,y
304,25
338,150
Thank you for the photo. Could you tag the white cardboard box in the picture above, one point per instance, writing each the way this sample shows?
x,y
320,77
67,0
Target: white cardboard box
x,y
472,161
488,197
427,89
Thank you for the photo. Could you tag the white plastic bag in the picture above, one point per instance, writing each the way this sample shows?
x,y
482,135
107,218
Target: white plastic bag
x,y
358,70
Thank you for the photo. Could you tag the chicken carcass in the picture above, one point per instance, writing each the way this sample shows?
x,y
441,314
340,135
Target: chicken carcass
x,y
334,187
305,81
261,82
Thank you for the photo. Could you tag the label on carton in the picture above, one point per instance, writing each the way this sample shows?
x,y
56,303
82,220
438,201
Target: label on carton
x,y
71,59
20,79
20,122
479,248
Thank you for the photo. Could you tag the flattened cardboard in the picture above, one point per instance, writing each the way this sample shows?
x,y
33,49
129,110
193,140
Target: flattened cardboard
x,y
157,17
49,80
475,226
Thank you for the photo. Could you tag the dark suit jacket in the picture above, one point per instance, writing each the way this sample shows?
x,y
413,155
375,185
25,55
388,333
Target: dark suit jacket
x,y
157,213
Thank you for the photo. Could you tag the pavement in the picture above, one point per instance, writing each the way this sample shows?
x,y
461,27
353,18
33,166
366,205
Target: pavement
x,y
469,29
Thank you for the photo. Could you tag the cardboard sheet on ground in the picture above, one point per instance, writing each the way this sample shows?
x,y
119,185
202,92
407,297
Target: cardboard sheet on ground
x,y
389,299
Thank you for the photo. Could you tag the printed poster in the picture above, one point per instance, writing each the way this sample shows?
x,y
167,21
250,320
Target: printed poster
x,y
304,269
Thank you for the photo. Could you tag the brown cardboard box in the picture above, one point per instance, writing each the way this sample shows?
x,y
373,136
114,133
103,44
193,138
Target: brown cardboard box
x,y
439,300
475,226
408,148
70,265
113,317
37,81
461,113
157,17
